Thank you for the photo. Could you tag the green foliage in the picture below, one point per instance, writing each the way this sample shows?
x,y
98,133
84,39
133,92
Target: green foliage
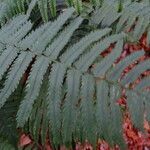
x,y
4,145
70,89
134,18
8,131
45,9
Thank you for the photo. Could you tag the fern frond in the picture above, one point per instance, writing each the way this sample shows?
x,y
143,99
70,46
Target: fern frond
x,y
31,5
135,72
77,49
102,109
52,4
69,114
54,101
136,107
38,121
9,32
107,108
147,105
36,117
32,89
11,8
69,3
45,120
2,48
14,76
105,15
115,73
132,18
87,59
43,6
31,39
51,32
141,27
116,117
101,67
3,9
6,58
8,128
143,84
77,5
21,33
87,109
45,54
24,59
59,43
148,38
